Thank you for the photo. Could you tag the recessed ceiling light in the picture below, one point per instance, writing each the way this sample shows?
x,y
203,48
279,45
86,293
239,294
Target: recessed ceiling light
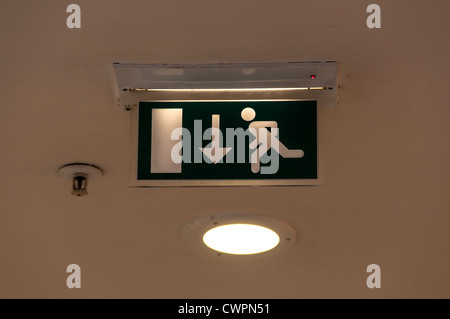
x,y
241,239
239,234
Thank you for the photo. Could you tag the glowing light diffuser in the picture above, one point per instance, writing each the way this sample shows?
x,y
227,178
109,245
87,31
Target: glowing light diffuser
x,y
241,239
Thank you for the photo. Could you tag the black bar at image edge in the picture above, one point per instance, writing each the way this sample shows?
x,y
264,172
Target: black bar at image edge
x,y
227,308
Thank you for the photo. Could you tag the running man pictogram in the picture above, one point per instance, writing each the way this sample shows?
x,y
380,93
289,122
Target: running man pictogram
x,y
265,140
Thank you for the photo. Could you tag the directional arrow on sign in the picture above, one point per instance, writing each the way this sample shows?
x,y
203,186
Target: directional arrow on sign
x,y
215,153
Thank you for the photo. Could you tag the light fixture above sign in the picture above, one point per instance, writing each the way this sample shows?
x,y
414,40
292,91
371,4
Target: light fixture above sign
x,y
302,80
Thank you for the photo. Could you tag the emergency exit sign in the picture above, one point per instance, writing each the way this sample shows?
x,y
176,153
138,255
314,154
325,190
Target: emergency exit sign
x,y
227,143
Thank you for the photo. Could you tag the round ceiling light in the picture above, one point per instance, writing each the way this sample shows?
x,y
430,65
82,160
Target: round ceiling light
x,y
241,239
238,234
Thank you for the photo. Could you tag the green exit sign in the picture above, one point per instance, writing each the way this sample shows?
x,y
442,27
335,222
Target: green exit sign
x,y
226,143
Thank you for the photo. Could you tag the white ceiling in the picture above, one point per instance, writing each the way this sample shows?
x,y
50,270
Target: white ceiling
x,y
386,151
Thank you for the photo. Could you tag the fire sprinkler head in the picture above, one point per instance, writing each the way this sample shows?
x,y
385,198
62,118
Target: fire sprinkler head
x,y
79,174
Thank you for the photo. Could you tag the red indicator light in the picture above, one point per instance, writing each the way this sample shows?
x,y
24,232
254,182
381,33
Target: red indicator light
x,y
313,77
